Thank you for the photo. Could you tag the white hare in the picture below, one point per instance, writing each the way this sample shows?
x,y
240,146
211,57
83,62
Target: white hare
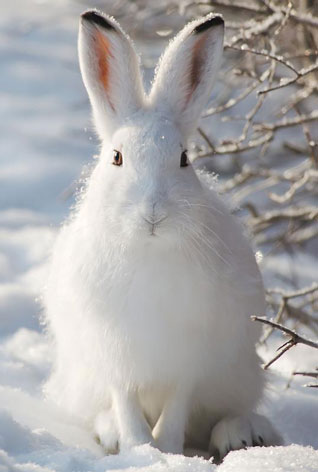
x,y
152,283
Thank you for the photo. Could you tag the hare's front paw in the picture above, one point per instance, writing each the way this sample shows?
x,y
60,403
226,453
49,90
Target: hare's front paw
x,y
233,433
106,432
169,441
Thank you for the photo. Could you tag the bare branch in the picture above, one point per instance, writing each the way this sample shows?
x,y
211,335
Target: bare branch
x,y
298,17
264,53
284,348
238,147
284,82
234,101
297,98
304,18
295,338
308,374
206,139
295,293
230,4
287,122
287,196
308,213
257,28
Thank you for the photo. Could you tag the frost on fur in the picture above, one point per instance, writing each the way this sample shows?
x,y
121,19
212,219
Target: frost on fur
x,y
152,282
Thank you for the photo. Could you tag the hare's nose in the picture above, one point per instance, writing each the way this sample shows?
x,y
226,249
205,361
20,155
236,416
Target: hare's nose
x,y
153,221
153,213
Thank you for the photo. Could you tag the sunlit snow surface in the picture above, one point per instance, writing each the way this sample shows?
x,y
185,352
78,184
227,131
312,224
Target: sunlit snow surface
x,y
44,143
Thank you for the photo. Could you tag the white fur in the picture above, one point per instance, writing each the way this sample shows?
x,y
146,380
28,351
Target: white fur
x,y
152,282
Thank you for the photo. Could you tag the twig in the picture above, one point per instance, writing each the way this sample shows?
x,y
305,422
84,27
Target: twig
x,y
304,18
206,139
285,81
308,374
234,101
303,235
287,13
251,114
287,196
247,173
264,53
308,213
285,123
257,28
297,98
312,146
230,4
238,147
296,293
314,375
284,305
295,338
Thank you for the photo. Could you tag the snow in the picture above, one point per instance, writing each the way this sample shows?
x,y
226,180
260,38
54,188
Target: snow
x,y
44,122
23,449
278,459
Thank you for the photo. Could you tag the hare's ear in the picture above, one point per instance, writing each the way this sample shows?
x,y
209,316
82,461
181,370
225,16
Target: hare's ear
x,y
187,69
110,71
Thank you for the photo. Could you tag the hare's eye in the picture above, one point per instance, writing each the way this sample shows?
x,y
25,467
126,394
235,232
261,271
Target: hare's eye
x,y
184,159
117,158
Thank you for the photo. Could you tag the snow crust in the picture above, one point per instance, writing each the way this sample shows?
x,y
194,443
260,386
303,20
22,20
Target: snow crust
x,y
272,459
43,114
23,449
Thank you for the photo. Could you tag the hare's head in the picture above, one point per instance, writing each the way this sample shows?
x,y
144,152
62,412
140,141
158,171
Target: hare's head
x,y
150,185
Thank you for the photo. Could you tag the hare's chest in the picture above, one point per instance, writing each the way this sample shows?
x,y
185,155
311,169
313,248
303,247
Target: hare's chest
x,y
165,292
162,319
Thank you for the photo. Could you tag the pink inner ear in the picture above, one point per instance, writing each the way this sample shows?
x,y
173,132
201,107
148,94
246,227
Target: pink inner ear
x,y
103,53
196,66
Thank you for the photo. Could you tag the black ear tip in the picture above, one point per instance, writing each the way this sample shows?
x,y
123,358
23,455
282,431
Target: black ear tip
x,y
210,23
97,18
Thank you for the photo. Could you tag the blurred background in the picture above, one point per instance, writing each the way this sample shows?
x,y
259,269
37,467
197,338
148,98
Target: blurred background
x,y
259,134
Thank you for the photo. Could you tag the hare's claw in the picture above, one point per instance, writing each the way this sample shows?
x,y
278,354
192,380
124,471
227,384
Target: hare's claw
x,y
232,433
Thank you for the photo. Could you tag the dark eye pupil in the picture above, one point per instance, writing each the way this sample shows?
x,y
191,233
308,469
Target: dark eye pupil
x,y
184,159
118,158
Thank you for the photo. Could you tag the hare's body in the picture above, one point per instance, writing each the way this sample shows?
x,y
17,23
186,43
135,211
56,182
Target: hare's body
x,y
148,322
153,321
152,287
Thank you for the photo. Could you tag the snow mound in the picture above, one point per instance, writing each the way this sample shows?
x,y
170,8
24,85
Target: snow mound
x,y
38,451
272,459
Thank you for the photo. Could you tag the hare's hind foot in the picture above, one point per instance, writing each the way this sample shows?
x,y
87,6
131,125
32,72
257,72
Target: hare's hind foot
x,y
232,433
